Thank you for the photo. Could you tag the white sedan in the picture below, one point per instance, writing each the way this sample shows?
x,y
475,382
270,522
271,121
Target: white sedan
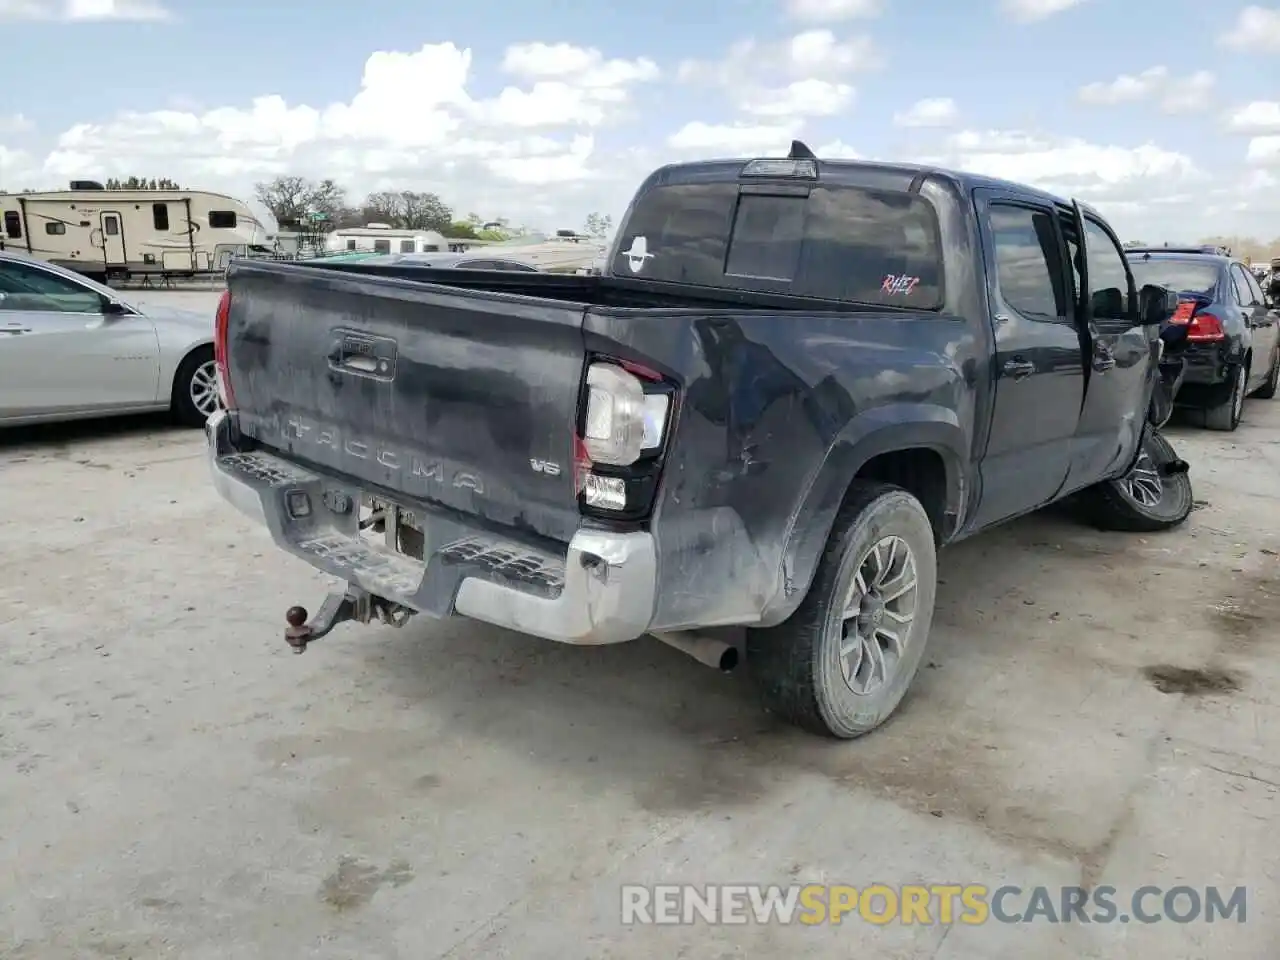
x,y
71,348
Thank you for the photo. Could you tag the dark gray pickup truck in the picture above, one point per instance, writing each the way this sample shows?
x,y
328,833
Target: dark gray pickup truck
x,y
793,382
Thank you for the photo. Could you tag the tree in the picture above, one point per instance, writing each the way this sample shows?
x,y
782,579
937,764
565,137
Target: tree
x,y
598,225
294,199
141,183
409,210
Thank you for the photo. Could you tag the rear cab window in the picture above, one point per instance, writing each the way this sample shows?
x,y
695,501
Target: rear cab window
x,y
803,238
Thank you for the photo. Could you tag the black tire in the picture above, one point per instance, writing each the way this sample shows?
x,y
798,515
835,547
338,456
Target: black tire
x,y
1226,415
183,406
798,666
1145,500
1268,390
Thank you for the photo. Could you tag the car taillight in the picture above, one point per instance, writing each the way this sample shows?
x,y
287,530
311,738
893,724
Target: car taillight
x,y
1201,327
220,333
1205,326
622,438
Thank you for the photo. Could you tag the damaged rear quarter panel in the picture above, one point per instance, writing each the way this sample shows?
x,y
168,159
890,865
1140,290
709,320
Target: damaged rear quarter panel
x,y
778,411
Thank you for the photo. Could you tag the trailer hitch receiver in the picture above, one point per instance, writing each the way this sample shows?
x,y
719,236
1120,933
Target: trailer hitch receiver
x,y
340,606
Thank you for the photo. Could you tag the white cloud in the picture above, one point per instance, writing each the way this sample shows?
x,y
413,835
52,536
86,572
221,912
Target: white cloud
x,y
1189,94
571,86
812,65
83,10
15,123
832,11
803,98
585,66
930,112
1264,151
414,123
736,139
1260,116
1069,165
1256,29
1176,93
560,130
18,170
837,150
811,54
1145,189
1028,11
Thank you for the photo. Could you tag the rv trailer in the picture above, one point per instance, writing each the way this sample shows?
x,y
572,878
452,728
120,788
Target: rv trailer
x,y
383,238
122,233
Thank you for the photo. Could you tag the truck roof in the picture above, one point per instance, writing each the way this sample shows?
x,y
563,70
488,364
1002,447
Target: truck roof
x,y
861,172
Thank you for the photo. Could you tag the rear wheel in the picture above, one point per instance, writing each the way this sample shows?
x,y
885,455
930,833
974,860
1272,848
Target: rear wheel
x,y
1226,415
1268,389
195,388
1150,497
841,664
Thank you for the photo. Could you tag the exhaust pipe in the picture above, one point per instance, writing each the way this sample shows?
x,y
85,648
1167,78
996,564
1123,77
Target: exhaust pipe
x,y
712,651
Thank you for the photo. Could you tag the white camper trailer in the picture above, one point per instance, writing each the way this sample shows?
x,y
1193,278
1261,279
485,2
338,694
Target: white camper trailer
x,y
566,252
120,233
383,238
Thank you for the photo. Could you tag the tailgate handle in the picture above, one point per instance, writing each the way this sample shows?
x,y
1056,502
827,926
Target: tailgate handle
x,y
363,355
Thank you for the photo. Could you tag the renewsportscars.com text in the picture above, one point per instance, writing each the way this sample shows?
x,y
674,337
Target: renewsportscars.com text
x,y
974,904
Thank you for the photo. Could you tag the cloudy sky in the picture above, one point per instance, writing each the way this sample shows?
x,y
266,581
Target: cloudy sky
x,y
1164,114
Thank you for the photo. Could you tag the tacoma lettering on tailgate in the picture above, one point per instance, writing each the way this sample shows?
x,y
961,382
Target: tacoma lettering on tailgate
x,y
425,469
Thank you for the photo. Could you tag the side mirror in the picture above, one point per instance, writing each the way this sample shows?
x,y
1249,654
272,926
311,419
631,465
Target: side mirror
x,y
1156,304
113,308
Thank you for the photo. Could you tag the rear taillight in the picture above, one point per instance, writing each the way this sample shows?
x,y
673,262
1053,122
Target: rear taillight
x,y
622,438
1205,326
1201,327
220,332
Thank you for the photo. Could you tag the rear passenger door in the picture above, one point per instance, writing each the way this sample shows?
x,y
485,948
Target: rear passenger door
x,y
1038,373
1122,356
1260,321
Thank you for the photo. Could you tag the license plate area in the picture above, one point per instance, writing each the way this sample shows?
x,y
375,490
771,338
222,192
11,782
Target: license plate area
x,y
391,526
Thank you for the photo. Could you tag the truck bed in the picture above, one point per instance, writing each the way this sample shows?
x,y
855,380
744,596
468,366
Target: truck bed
x,y
458,395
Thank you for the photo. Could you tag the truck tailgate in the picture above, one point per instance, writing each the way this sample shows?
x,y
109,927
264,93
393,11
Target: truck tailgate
x,y
462,398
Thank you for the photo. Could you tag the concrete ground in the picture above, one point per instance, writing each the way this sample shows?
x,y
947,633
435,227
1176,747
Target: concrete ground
x,y
175,783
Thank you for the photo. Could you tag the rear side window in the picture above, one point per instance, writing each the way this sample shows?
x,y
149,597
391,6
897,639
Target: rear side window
x,y
1255,288
838,243
406,246
1244,293
1028,261
222,219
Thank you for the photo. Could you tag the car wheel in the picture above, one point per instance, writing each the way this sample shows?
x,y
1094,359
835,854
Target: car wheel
x,y
1226,415
1154,495
195,388
1268,390
842,662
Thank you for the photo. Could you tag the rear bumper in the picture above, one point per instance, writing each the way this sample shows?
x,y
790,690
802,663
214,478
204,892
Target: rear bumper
x,y
1207,364
600,590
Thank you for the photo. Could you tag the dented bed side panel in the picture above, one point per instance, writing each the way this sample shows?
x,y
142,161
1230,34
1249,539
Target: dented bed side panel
x,y
778,411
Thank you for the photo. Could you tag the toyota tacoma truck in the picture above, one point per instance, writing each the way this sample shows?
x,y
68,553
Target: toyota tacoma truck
x,y
793,382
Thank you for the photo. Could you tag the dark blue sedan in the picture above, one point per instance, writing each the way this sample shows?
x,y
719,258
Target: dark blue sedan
x,y
1233,332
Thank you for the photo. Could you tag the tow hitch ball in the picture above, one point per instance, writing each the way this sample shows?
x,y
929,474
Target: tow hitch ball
x,y
340,606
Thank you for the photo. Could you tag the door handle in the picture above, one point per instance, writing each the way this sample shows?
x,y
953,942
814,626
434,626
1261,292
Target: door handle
x,y
1018,369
